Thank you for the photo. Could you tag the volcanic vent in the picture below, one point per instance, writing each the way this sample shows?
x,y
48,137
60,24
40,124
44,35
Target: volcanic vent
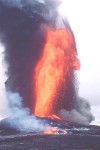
x,y
41,56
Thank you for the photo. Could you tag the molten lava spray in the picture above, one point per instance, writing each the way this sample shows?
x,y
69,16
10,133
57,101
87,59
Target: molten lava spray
x,y
58,58
41,57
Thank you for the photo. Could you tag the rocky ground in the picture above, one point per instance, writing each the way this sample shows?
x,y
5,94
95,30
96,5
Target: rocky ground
x,y
69,137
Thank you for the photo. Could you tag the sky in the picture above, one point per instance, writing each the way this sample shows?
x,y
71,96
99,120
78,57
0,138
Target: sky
x,y
84,18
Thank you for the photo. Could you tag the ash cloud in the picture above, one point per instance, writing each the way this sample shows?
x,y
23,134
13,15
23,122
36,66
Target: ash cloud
x,y
22,26
22,31
81,114
11,105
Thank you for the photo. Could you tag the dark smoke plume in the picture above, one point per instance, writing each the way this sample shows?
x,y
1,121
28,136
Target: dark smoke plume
x,y
22,31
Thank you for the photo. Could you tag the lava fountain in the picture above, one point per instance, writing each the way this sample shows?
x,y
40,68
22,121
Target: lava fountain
x,y
41,57
52,71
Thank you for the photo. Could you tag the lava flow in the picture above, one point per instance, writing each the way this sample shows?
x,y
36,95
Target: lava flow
x,y
52,70
55,130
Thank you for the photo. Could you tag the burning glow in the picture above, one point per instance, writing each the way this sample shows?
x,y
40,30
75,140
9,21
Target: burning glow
x,y
59,57
55,130
54,117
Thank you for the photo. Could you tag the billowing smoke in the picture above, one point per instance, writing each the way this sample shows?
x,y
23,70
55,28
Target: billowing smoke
x,y
20,117
11,104
23,26
4,111
81,114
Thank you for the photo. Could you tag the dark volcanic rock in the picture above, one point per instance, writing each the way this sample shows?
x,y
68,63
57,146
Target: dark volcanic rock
x,y
77,137
50,142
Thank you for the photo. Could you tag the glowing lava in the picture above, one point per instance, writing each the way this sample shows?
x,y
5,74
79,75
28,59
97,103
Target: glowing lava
x,y
58,58
55,130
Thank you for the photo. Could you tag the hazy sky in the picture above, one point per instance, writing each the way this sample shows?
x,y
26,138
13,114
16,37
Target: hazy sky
x,y
84,17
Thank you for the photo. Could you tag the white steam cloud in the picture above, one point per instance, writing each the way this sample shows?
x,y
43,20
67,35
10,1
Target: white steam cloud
x,y
20,117
11,104
4,110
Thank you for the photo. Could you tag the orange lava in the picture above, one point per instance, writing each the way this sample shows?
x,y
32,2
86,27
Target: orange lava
x,y
51,131
58,58
54,117
55,130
